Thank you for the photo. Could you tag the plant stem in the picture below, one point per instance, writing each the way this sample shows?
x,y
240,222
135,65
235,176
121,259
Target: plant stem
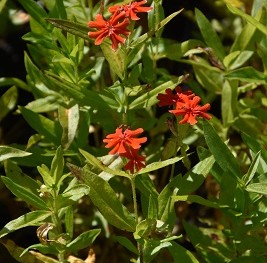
x,y
58,227
139,246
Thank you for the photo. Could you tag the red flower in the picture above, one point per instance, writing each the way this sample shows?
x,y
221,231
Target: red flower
x,y
170,98
112,28
131,9
189,108
167,99
136,161
123,140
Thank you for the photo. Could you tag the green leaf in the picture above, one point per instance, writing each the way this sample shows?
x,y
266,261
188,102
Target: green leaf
x,y
19,254
84,240
127,243
35,11
248,74
116,59
45,173
220,151
69,220
24,193
229,101
50,129
97,163
47,104
150,98
151,32
209,35
193,179
14,82
152,247
180,254
34,218
15,174
237,59
152,208
145,228
72,195
8,101
157,165
155,16
44,249
74,28
248,18
83,96
57,165
195,199
7,152
146,186
210,79
231,194
166,211
260,188
254,145
252,169
106,200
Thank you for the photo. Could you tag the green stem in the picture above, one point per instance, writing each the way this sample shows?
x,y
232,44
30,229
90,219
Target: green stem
x,y
134,199
57,224
139,246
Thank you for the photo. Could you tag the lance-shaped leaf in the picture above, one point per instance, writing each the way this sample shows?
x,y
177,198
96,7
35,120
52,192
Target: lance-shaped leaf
x,y
252,169
30,219
248,74
97,163
35,11
74,28
8,101
24,193
72,195
150,98
221,152
195,199
57,165
157,165
69,120
14,82
260,188
106,200
7,152
157,27
116,59
248,18
15,174
126,243
209,35
83,240
24,256
50,129
180,254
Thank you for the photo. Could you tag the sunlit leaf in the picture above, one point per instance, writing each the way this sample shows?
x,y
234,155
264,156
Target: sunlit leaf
x,y
7,152
34,218
84,240
106,200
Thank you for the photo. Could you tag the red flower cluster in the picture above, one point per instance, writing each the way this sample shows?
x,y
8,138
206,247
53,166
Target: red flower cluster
x,y
112,28
116,26
131,9
125,143
186,104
